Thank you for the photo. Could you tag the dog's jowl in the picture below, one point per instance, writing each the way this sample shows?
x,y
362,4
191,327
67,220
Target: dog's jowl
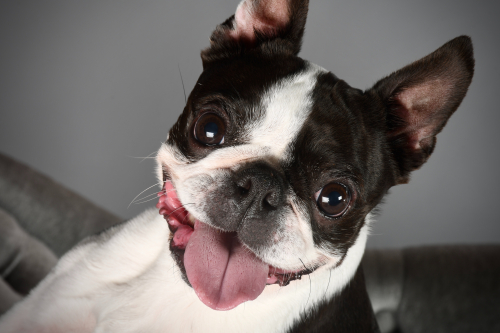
x,y
269,177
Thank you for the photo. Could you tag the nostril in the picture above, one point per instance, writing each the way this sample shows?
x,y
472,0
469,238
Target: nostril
x,y
271,200
244,187
259,189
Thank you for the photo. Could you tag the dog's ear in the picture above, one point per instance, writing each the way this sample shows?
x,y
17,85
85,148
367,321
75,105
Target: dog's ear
x,y
419,98
274,26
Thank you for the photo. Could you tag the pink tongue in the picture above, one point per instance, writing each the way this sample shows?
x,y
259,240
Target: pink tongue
x,y
221,270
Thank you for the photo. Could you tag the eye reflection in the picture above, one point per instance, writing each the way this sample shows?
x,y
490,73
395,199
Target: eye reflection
x,y
210,129
334,199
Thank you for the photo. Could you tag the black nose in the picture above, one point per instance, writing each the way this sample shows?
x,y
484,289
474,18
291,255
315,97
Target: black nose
x,y
260,189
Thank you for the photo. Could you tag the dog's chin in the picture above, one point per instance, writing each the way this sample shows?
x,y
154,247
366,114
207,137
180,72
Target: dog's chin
x,y
223,272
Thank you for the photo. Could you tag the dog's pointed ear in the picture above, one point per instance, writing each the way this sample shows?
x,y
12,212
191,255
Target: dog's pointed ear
x,y
274,25
419,98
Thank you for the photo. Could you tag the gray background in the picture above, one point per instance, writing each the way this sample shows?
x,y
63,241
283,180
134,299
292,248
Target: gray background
x,y
86,87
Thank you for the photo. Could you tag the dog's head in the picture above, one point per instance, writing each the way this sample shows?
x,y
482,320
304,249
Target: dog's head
x,y
274,164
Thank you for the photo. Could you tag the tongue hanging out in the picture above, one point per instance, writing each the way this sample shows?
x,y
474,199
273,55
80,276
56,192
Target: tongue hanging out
x,y
221,270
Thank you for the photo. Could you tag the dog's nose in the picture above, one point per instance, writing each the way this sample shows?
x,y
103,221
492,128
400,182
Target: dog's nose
x,y
261,190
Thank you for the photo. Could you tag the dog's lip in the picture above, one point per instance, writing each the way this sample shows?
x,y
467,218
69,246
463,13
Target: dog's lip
x,y
182,224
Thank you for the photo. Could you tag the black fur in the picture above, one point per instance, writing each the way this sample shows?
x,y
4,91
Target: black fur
x,y
453,63
348,312
282,41
232,88
369,141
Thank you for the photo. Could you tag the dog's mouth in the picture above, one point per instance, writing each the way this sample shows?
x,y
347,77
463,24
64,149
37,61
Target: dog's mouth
x,y
222,271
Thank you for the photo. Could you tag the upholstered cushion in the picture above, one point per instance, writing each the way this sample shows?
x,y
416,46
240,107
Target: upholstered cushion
x,y
452,288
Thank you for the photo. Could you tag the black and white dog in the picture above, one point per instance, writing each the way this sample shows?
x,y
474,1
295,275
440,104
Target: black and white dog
x,y
269,177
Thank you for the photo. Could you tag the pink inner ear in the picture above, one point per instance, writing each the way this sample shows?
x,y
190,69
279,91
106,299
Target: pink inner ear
x,y
260,15
420,108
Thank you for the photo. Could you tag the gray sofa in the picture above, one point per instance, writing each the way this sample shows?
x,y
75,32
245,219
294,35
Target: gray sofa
x,y
452,288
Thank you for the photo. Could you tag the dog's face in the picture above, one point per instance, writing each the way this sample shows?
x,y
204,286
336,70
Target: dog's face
x,y
275,163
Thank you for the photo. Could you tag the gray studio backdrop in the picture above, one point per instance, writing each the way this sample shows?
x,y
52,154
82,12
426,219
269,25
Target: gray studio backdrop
x,y
87,87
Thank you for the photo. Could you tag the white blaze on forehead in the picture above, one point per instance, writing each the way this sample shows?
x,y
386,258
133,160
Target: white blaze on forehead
x,y
283,109
285,106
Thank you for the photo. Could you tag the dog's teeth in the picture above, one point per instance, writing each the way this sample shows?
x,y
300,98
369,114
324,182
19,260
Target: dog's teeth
x,y
190,220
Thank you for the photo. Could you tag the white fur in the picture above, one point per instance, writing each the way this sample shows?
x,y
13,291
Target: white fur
x,y
284,107
287,105
125,280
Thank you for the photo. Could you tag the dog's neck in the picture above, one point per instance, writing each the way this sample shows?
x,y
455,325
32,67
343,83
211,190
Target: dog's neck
x,y
159,298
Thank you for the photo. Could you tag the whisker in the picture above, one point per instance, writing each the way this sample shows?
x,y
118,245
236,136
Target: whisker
x,y
183,206
183,89
234,88
156,184
328,285
144,158
184,219
310,286
149,195
144,201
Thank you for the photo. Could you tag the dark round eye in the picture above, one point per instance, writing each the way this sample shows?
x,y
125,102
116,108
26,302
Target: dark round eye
x,y
334,199
210,129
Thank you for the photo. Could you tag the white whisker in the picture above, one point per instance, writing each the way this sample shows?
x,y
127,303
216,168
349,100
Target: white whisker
x,y
144,158
143,201
156,184
183,206
149,195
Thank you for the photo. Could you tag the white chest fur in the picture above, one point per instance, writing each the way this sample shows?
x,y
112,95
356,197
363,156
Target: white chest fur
x,y
125,280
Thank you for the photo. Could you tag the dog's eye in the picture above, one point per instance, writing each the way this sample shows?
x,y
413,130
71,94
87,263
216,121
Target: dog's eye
x,y
334,199
210,129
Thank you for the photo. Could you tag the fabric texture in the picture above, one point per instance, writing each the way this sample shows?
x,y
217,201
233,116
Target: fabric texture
x,y
40,220
49,212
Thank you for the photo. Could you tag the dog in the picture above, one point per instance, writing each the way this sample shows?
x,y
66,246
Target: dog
x,y
269,180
